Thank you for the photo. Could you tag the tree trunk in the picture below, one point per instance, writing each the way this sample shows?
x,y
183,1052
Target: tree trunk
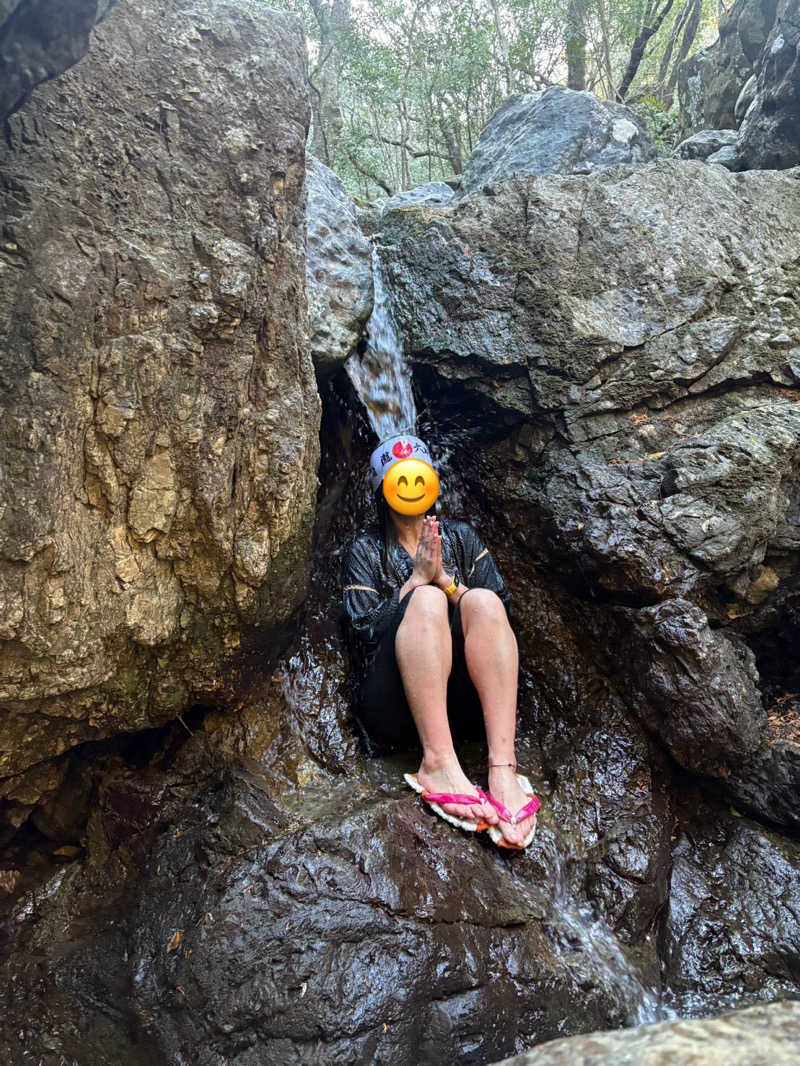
x,y
502,46
689,34
448,128
326,112
576,45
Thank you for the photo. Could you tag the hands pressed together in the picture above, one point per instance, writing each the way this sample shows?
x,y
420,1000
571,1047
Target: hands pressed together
x,y
428,560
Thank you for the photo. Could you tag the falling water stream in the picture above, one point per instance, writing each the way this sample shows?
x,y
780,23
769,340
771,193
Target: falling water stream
x,y
381,376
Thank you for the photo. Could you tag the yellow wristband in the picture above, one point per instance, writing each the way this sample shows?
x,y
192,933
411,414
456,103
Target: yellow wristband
x,y
450,589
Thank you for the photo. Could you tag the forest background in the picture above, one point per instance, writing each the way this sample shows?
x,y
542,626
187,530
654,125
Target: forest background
x,y
401,89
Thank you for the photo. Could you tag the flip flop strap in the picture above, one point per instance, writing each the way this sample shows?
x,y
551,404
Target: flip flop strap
x,y
449,797
531,807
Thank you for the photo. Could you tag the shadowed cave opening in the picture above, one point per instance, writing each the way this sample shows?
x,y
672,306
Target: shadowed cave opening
x,y
53,834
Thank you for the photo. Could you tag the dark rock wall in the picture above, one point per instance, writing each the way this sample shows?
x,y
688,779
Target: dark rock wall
x,y
159,436
621,349
710,81
770,133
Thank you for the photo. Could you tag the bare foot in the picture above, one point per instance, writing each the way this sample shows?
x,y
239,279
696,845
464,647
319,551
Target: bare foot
x,y
449,777
504,786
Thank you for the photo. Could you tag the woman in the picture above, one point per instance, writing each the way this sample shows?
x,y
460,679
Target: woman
x,y
428,607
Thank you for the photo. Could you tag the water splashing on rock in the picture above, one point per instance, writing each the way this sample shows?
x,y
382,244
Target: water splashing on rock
x,y
381,376
586,942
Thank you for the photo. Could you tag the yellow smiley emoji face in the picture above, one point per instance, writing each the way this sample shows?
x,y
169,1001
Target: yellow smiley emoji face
x,y
411,486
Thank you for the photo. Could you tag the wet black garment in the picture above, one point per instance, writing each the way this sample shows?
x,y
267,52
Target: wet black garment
x,y
382,709
373,606
372,592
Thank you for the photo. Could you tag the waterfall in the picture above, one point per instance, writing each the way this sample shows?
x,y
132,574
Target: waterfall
x,y
381,376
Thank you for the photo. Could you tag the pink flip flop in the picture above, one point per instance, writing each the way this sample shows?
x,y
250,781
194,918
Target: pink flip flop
x,y
434,799
530,808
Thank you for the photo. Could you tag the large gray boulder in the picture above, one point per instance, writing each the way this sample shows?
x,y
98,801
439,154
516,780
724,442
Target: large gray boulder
x,y
760,1036
707,142
558,131
432,194
40,39
338,269
159,437
628,345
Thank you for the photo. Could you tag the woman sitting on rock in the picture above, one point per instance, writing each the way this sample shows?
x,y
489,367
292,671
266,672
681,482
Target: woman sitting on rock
x,y
428,607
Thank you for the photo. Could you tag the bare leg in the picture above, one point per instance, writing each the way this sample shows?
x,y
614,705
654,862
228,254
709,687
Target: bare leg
x,y
493,662
424,656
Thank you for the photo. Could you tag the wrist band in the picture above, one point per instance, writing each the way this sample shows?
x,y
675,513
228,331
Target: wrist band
x,y
451,588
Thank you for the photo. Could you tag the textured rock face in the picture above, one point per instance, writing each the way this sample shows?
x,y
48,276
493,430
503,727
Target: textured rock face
x,y
39,39
760,1036
709,83
558,131
160,414
732,924
770,132
338,269
278,914
626,346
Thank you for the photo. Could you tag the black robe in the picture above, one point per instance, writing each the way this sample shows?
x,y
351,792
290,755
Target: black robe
x,y
372,595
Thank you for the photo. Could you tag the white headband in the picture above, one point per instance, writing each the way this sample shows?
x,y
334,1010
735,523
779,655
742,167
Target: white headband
x,y
391,451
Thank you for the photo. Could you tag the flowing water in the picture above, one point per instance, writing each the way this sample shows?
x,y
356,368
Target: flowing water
x,y
586,941
381,376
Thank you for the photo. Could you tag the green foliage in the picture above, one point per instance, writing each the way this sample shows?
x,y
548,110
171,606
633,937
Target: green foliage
x,y
662,125
410,84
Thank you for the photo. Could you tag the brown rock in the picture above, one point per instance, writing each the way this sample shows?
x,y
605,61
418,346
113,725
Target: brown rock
x,y
160,414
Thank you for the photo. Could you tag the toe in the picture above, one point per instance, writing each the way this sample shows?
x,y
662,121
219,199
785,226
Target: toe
x,y
512,833
458,810
523,828
489,814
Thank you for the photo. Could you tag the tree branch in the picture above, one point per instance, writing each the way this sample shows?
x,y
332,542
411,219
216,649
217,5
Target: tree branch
x,y
637,50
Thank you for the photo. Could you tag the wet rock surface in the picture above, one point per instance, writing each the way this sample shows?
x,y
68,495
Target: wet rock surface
x,y
40,39
732,926
637,416
338,269
760,1036
159,436
558,131
273,913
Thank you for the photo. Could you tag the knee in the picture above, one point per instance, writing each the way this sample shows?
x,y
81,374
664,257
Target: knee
x,y
483,604
427,601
